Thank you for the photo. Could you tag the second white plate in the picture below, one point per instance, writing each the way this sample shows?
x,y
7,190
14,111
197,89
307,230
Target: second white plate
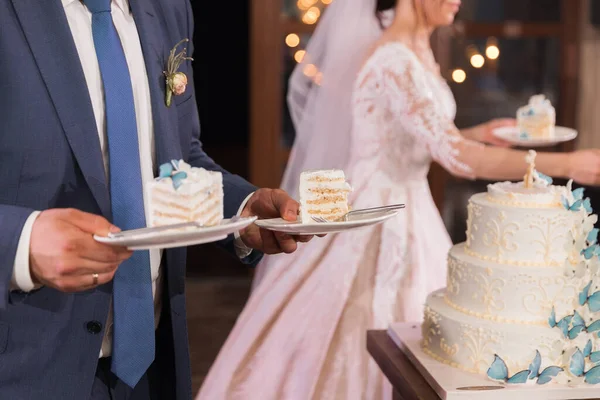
x,y
178,238
322,228
512,134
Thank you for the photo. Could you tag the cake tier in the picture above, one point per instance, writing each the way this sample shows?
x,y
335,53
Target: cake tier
x,y
470,344
503,293
518,235
515,194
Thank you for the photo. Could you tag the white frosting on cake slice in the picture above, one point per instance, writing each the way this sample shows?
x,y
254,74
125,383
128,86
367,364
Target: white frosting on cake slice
x,y
323,193
185,194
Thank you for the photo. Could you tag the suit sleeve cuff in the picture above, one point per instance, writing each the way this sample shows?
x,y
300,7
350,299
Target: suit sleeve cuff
x,y
21,277
241,250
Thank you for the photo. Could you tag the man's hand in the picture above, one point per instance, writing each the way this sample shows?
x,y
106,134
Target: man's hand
x,y
271,203
64,255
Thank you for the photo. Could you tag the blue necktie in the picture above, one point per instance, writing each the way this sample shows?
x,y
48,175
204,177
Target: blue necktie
x,y
133,338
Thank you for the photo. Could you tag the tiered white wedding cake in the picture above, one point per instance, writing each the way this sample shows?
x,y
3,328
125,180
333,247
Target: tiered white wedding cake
x,y
522,302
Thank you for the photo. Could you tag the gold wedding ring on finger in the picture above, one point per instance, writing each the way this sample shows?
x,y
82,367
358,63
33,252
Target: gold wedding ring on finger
x,y
95,276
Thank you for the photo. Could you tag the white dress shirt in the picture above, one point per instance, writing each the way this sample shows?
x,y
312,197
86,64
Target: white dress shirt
x,y
80,23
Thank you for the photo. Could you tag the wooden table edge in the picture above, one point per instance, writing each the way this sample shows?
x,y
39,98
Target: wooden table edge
x,y
408,383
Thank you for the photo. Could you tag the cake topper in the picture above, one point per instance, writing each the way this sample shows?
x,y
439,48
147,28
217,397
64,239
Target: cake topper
x,y
530,160
533,176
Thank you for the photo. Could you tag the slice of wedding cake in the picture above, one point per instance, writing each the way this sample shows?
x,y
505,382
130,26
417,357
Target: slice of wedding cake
x,y
182,193
536,119
323,193
522,302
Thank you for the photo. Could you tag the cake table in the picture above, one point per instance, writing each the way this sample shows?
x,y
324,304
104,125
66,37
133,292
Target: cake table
x,y
414,375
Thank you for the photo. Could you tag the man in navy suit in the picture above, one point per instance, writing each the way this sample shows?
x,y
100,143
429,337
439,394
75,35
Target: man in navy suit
x,y
83,124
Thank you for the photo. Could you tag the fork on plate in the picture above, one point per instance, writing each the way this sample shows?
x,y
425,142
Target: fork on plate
x,y
344,217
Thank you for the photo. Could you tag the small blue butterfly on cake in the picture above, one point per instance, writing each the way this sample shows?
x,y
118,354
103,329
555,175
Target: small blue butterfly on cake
x,y
182,193
537,119
498,371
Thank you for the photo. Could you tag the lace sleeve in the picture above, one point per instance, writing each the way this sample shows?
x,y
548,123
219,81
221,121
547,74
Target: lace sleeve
x,y
403,86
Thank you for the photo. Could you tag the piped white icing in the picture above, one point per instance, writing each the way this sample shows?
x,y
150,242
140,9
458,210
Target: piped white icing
x,y
516,194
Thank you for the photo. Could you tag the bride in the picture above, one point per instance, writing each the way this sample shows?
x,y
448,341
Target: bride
x,y
382,112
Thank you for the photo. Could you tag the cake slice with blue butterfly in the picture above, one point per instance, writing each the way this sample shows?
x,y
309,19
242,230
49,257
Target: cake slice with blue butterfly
x,y
182,193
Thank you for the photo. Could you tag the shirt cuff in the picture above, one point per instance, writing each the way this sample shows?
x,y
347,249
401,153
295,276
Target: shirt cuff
x,y
21,277
241,250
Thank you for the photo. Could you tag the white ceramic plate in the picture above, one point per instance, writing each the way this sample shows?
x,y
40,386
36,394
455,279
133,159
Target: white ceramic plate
x,y
511,134
321,228
178,238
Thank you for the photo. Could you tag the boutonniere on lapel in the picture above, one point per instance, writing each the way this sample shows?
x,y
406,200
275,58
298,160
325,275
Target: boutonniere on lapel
x,y
176,81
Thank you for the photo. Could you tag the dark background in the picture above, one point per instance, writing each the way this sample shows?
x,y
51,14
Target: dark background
x,y
218,284
221,73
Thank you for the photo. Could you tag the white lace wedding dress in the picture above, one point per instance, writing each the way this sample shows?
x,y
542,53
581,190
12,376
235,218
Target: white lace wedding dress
x,y
302,334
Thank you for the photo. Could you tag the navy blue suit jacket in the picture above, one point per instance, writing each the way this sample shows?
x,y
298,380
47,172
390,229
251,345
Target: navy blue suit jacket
x,y
50,158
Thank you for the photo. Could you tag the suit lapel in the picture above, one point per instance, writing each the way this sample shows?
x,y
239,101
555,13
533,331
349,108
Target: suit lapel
x,y
49,37
155,56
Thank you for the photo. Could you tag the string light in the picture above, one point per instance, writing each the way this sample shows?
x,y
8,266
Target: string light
x,y
477,60
305,4
459,76
299,55
292,40
492,52
310,70
326,1
311,16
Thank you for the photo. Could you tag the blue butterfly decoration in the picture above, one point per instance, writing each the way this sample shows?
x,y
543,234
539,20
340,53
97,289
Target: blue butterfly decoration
x,y
575,206
587,350
593,300
578,193
572,326
178,179
498,371
592,237
167,171
591,251
587,205
578,202
594,356
576,328
545,177
593,248
577,367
